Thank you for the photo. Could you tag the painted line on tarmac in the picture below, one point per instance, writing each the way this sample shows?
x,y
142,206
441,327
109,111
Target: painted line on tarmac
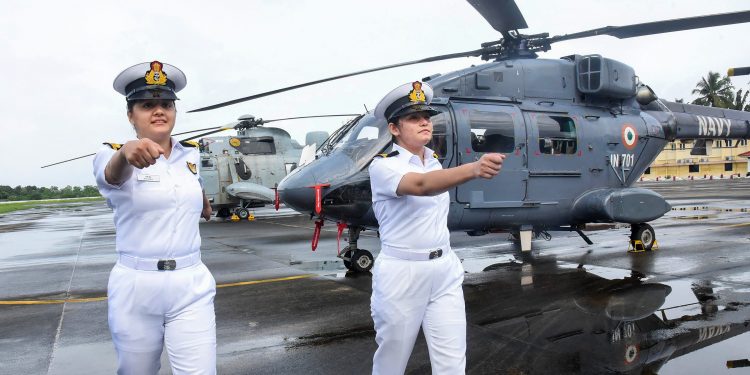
x,y
98,299
241,283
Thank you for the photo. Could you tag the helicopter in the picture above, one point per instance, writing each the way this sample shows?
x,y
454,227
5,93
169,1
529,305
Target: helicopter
x,y
577,131
242,171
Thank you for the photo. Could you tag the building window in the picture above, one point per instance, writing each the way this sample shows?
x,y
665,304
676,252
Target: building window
x,y
647,171
682,146
694,168
674,147
557,135
728,167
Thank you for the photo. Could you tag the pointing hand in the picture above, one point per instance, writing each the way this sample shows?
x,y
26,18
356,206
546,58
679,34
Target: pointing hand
x,y
488,165
141,153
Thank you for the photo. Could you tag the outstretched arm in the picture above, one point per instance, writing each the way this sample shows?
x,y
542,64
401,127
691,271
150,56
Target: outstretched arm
x,y
437,182
140,154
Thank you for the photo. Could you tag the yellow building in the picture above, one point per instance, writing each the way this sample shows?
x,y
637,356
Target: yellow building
x,y
723,159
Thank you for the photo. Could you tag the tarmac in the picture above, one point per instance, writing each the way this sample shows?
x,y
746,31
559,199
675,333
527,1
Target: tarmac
x,y
567,307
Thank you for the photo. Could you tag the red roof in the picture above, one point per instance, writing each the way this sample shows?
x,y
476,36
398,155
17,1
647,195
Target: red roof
x,y
745,154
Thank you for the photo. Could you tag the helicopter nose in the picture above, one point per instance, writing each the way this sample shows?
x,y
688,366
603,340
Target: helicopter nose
x,y
297,192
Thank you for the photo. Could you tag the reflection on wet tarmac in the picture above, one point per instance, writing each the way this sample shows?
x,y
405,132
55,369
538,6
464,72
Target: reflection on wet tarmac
x,y
551,317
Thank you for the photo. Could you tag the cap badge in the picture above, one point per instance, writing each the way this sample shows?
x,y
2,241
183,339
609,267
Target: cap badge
x,y
191,167
416,94
156,76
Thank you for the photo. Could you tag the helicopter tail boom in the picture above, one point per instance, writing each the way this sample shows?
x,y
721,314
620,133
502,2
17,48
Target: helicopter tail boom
x,y
689,121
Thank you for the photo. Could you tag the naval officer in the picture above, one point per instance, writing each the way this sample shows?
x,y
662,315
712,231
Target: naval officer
x,y
417,279
159,291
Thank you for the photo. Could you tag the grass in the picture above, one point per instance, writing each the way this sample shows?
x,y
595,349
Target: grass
x,y
16,206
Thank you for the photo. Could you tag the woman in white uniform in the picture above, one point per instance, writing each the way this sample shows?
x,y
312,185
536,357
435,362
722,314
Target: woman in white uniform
x,y
417,279
159,291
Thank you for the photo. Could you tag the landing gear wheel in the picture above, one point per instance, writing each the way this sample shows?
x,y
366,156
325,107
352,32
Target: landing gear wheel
x,y
362,260
644,233
346,255
243,213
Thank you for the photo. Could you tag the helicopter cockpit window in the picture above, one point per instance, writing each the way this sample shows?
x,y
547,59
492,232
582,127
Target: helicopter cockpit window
x,y
491,131
557,135
438,144
363,140
257,146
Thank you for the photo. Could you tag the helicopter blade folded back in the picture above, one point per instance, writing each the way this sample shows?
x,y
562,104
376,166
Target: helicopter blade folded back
x,y
502,15
659,27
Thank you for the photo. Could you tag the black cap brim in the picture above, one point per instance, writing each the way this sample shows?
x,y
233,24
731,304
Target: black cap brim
x,y
414,109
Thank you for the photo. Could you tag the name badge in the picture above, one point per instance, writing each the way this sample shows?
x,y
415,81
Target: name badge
x,y
148,177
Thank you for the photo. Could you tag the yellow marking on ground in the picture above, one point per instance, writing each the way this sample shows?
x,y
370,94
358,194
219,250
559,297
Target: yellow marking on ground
x,y
53,301
737,225
97,299
241,283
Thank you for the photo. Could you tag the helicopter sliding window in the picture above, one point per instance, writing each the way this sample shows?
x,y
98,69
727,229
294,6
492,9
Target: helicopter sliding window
x,y
557,135
438,144
491,131
257,146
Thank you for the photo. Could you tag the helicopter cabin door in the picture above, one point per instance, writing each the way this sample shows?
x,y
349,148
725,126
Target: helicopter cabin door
x,y
555,156
492,127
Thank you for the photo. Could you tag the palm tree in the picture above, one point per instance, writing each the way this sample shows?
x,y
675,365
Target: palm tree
x,y
740,101
714,91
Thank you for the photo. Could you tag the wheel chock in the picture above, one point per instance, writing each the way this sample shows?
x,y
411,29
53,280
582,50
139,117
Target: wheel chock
x,y
636,246
251,217
234,218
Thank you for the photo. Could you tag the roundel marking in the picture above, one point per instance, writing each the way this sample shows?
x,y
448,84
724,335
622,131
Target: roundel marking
x,y
631,353
235,142
629,136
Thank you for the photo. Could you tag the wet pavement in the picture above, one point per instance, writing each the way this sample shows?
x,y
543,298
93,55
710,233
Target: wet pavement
x,y
567,307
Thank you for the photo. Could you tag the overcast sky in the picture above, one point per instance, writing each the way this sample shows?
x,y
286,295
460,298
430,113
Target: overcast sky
x,y
58,60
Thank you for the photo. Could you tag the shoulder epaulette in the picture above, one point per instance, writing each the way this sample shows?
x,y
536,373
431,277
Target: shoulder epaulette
x,y
393,153
190,143
114,146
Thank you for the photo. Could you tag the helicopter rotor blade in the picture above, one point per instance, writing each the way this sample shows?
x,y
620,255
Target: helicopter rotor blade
x,y
502,15
659,27
208,133
303,117
65,161
477,52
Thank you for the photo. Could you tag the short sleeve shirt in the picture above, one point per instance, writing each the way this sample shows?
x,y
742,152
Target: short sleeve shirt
x,y
408,223
157,210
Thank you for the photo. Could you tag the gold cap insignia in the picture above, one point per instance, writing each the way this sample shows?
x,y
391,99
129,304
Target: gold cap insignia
x,y
156,76
192,168
416,94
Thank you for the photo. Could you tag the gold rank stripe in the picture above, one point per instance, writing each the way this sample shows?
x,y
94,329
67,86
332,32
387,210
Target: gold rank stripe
x,y
98,299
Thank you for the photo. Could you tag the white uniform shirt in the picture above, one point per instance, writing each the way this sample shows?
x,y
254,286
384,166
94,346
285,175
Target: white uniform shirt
x,y
408,223
156,211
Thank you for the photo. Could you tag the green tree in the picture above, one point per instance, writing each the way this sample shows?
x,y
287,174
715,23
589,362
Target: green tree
x,y
740,101
714,91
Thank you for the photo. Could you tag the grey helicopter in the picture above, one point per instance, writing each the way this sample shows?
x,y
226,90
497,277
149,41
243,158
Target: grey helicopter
x,y
578,132
242,171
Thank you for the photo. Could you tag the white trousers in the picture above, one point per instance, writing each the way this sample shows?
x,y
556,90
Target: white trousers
x,y
150,308
407,295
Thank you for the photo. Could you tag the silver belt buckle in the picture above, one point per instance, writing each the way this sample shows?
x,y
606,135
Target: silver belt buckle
x,y
436,254
166,265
